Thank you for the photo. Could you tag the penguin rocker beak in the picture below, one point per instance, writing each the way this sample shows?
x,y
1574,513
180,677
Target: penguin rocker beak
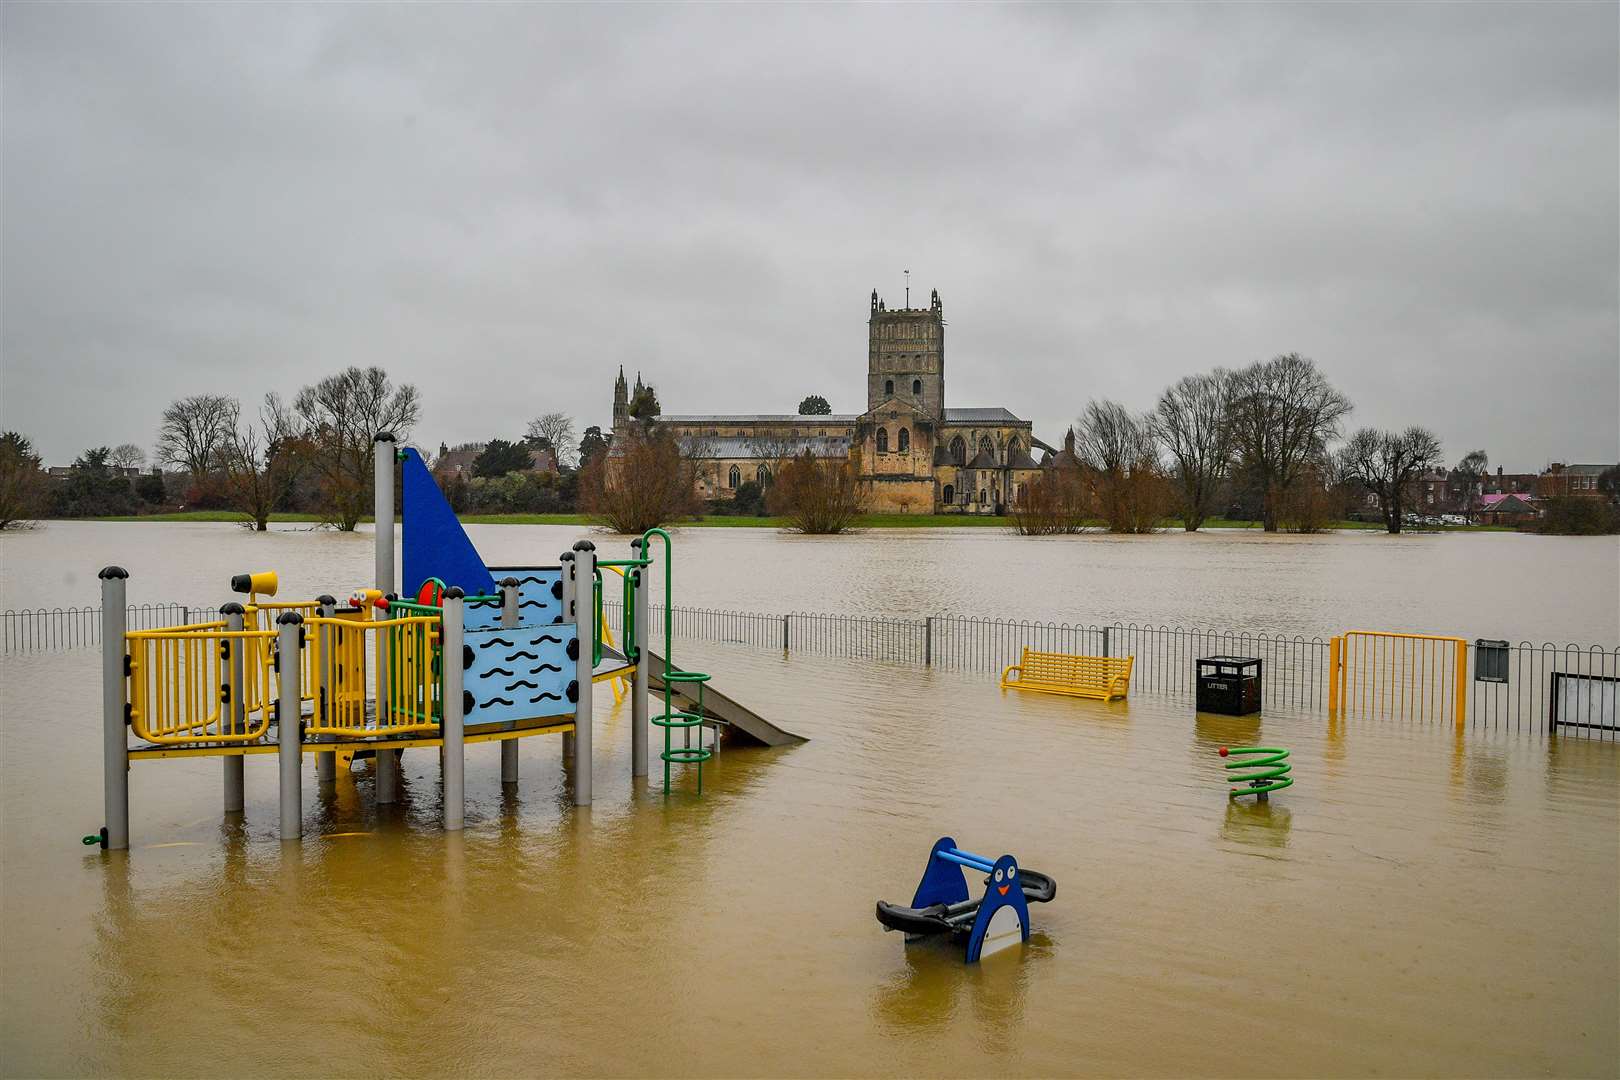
x,y
1002,889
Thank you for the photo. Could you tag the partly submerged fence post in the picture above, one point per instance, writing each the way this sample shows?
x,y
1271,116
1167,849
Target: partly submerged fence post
x,y
1105,651
233,712
451,625
784,633
114,741
928,641
1335,672
509,619
290,722
641,584
585,667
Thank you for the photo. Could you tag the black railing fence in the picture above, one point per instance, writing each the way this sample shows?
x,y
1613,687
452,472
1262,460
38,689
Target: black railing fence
x,y
1523,687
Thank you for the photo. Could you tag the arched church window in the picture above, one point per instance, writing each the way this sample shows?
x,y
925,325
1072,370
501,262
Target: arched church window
x,y
1013,447
986,446
958,451
916,387
762,475
883,440
735,478
905,440
888,386
981,496
950,494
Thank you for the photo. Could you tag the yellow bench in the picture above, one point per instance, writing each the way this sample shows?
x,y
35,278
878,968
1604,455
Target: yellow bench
x,y
1102,677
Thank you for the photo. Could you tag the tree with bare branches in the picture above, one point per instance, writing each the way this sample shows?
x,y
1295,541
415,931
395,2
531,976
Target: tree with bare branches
x,y
1191,423
554,431
645,480
126,456
194,430
261,462
1055,503
1386,464
339,417
1284,413
1120,459
817,495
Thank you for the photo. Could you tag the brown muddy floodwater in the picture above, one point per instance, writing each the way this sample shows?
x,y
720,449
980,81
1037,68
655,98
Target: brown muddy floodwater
x,y
1419,903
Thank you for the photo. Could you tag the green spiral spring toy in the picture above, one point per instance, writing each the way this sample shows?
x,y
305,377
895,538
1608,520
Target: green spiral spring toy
x,y
1267,770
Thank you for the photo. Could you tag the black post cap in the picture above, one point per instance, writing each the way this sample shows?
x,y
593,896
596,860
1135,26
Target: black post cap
x,y
326,600
289,618
584,545
509,582
567,556
636,543
108,573
454,592
384,436
232,608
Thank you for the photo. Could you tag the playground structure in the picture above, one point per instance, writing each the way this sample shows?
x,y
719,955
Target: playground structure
x,y
941,905
1104,678
468,659
1378,673
1267,770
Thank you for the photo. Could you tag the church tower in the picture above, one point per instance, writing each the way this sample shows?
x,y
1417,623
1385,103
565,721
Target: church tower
x,y
621,402
906,356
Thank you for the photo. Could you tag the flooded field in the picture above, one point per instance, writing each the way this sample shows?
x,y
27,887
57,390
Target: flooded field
x,y
1417,903
1420,902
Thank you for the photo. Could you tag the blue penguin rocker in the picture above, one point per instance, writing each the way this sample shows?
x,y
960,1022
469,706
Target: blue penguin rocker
x,y
941,906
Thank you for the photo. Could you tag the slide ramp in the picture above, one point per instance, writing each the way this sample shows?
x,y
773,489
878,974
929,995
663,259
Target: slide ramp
x,y
740,720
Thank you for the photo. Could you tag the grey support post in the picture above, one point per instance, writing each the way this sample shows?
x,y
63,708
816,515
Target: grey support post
x,y
325,760
585,666
234,719
290,723
383,508
566,559
114,741
452,625
641,581
509,619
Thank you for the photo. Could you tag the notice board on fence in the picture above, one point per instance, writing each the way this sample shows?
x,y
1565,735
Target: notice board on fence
x,y
1584,701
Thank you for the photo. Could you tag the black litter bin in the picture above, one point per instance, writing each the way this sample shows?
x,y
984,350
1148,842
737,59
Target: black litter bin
x,y
1229,685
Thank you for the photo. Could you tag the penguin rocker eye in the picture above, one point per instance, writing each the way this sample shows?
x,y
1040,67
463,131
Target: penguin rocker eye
x,y
1012,872
998,875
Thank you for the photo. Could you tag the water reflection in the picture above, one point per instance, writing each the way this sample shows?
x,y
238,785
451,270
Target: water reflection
x,y
1257,824
926,995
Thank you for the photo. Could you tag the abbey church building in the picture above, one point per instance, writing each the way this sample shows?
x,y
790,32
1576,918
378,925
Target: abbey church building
x,y
916,454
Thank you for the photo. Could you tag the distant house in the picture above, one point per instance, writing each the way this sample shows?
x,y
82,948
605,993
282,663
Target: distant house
x,y
1506,483
1505,509
1579,481
459,462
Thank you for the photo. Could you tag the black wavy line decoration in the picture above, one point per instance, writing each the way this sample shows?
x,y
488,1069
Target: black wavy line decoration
x,y
498,701
547,638
522,682
496,641
496,671
542,667
545,697
522,653
530,603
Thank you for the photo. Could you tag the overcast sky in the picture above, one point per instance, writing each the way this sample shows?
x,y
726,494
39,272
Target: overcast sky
x,y
503,204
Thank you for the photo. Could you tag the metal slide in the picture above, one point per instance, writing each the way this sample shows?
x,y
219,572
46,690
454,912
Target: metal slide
x,y
738,719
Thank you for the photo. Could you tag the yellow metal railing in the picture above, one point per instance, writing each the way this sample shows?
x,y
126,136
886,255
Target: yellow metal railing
x,y
262,614
1408,676
403,684
182,685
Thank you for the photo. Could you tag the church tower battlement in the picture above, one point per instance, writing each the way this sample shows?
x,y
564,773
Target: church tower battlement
x,y
906,356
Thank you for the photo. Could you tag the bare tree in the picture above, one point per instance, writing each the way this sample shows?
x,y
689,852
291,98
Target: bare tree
x,y
1283,414
817,495
1120,458
261,462
1465,482
1386,464
645,480
1191,422
193,430
556,430
127,456
22,481
339,417
1054,503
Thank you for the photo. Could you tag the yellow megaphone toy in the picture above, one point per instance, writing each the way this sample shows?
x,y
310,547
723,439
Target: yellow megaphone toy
x,y
261,584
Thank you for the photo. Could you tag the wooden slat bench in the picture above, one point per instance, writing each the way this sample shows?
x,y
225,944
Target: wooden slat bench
x,y
1102,677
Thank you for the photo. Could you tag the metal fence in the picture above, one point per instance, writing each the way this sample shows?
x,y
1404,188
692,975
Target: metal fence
x,y
1513,688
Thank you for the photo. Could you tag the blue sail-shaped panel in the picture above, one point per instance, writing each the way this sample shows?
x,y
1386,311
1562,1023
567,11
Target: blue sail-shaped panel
x,y
435,545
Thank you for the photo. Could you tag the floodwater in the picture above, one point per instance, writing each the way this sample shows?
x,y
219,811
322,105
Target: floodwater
x,y
1419,903
1492,585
